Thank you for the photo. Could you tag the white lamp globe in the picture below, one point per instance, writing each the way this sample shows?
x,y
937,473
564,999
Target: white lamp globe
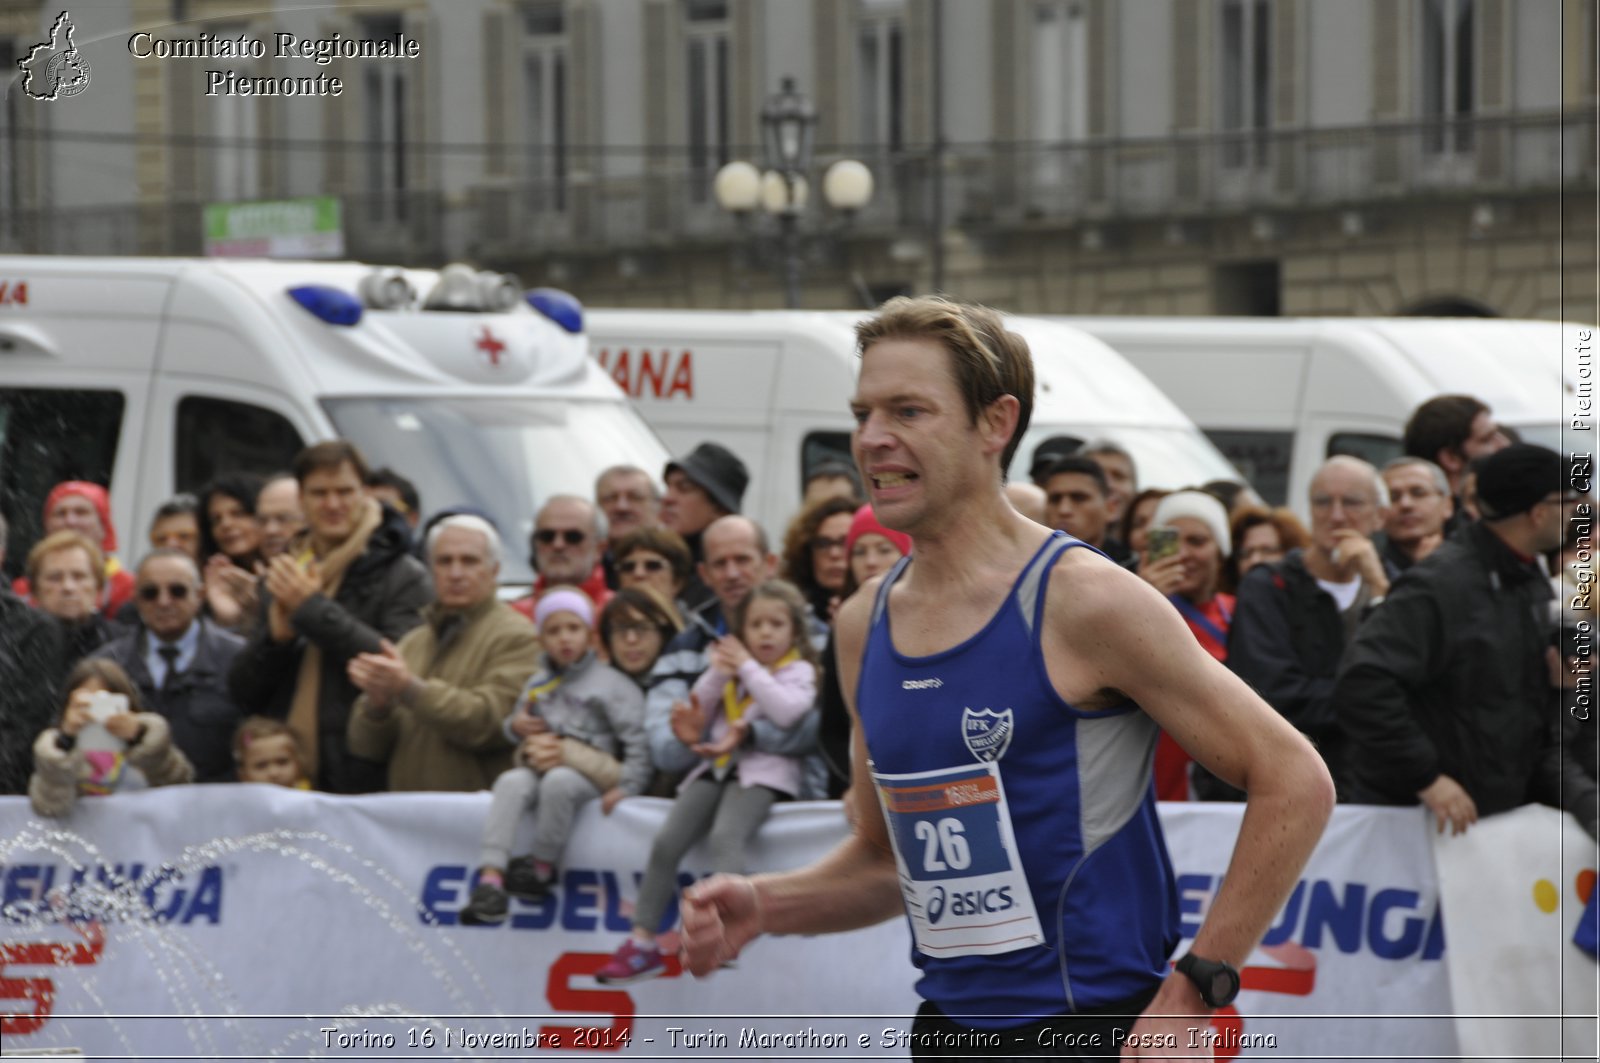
x,y
780,196
737,187
847,185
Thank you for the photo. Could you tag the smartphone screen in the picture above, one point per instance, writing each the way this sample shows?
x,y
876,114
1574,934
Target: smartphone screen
x,y
103,705
1161,543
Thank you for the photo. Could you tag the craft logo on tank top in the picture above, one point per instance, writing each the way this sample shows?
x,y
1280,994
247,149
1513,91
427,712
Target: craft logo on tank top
x,y
987,733
921,684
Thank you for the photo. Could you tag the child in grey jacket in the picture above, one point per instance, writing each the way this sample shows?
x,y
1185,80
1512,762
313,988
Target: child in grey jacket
x,y
580,725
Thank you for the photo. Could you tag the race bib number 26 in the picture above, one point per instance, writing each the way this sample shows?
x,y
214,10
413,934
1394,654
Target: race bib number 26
x,y
963,883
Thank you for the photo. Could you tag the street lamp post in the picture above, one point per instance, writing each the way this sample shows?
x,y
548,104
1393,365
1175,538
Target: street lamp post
x,y
788,130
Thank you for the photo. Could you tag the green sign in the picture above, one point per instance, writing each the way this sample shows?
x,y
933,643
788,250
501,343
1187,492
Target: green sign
x,y
284,228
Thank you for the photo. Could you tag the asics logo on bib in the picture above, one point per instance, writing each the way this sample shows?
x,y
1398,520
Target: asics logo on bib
x,y
921,684
967,902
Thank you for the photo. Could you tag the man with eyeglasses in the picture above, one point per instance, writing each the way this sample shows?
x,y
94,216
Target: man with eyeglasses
x,y
565,551
1420,507
1450,692
631,502
1293,618
180,662
279,514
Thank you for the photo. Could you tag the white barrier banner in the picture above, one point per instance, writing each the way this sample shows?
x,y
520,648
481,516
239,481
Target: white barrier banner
x,y
1525,990
254,921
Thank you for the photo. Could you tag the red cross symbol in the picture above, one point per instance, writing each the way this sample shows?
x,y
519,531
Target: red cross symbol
x,y
491,346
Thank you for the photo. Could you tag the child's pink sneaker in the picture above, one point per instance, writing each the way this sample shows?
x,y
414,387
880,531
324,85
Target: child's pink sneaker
x,y
631,963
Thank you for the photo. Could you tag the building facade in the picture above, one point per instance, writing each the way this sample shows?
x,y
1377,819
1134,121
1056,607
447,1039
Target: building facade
x,y
1046,156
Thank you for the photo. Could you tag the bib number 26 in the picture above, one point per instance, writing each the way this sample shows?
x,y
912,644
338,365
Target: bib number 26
x,y
943,845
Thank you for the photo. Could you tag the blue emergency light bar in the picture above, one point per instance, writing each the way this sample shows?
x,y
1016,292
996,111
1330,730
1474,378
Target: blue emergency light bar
x,y
333,305
559,306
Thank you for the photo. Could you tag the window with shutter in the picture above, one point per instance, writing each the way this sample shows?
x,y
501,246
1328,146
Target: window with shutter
x,y
544,78
706,30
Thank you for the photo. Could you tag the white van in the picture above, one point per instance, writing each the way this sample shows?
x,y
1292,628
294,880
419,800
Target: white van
x,y
1279,396
774,387
153,375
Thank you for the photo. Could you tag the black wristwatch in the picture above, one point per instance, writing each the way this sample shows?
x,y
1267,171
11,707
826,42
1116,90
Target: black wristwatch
x,y
1218,982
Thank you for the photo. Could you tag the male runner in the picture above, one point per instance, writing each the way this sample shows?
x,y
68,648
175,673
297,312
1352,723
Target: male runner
x,y
1010,683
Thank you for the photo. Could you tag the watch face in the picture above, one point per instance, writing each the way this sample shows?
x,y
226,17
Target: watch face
x,y
1218,983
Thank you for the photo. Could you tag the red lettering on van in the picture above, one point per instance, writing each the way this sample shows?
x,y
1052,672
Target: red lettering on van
x,y
650,373
13,293
618,370
683,377
654,373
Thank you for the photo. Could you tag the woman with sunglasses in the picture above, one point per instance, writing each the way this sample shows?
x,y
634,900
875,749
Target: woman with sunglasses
x,y
657,560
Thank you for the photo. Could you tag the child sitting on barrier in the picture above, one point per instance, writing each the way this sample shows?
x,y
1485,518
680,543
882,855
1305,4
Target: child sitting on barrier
x,y
266,750
636,624
767,671
580,723
103,743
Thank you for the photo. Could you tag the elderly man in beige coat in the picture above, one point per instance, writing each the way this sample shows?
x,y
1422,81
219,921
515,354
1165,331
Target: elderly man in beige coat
x,y
433,707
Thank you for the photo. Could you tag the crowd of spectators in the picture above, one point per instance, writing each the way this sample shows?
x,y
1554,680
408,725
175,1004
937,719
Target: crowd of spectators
x,y
310,629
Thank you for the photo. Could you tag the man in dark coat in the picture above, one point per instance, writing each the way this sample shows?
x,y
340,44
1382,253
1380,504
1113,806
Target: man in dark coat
x,y
30,670
1294,618
179,662
1447,694
347,585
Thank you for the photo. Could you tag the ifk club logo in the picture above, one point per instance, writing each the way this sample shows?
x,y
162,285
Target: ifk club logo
x,y
986,732
55,69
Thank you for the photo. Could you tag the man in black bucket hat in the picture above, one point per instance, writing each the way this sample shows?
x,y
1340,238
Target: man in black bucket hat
x,y
703,485
1449,691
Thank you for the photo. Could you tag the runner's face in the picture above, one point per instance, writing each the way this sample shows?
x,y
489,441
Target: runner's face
x,y
919,450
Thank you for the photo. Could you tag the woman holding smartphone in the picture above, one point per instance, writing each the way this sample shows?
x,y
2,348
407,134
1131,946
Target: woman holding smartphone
x,y
1185,548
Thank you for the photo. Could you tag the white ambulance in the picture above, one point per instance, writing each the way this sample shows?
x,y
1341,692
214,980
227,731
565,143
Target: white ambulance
x,y
1279,396
153,375
774,387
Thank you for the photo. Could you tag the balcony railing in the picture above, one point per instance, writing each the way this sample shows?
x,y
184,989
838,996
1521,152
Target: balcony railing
x,y
627,199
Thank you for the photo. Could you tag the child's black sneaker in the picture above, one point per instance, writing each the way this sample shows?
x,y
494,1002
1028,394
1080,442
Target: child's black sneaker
x,y
524,882
488,905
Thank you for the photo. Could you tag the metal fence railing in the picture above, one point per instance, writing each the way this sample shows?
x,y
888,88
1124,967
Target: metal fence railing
x,y
631,199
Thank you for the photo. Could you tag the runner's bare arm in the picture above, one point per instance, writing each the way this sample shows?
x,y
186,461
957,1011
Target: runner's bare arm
x,y
854,886
1116,633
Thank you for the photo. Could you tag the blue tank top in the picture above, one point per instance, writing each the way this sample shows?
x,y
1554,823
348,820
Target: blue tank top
x,y
1001,797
